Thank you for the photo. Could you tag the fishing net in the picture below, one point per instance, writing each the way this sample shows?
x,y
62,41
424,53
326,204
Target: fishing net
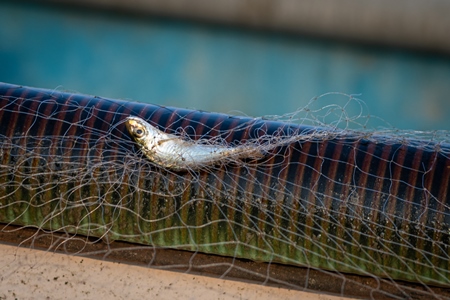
x,y
335,204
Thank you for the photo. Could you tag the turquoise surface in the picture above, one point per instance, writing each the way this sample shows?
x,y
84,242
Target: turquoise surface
x,y
216,68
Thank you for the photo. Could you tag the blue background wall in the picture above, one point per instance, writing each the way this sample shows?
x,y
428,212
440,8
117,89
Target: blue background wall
x,y
215,68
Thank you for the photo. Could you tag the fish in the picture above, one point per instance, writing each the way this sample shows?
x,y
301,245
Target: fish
x,y
176,153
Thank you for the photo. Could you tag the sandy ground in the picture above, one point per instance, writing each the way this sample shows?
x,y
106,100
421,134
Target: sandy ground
x,y
35,274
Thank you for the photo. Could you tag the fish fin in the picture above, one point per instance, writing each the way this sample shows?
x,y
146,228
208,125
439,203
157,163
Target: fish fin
x,y
167,140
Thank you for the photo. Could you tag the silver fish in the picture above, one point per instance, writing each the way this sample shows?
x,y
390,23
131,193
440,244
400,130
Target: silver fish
x,y
174,152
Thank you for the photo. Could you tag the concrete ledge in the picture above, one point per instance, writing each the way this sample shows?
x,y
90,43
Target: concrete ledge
x,y
34,274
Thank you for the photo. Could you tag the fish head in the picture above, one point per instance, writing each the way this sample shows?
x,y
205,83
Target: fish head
x,y
136,127
142,132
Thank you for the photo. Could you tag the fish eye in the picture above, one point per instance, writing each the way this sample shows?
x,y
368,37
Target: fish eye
x,y
139,132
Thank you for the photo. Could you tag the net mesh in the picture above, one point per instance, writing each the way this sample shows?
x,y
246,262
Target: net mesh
x,y
332,206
